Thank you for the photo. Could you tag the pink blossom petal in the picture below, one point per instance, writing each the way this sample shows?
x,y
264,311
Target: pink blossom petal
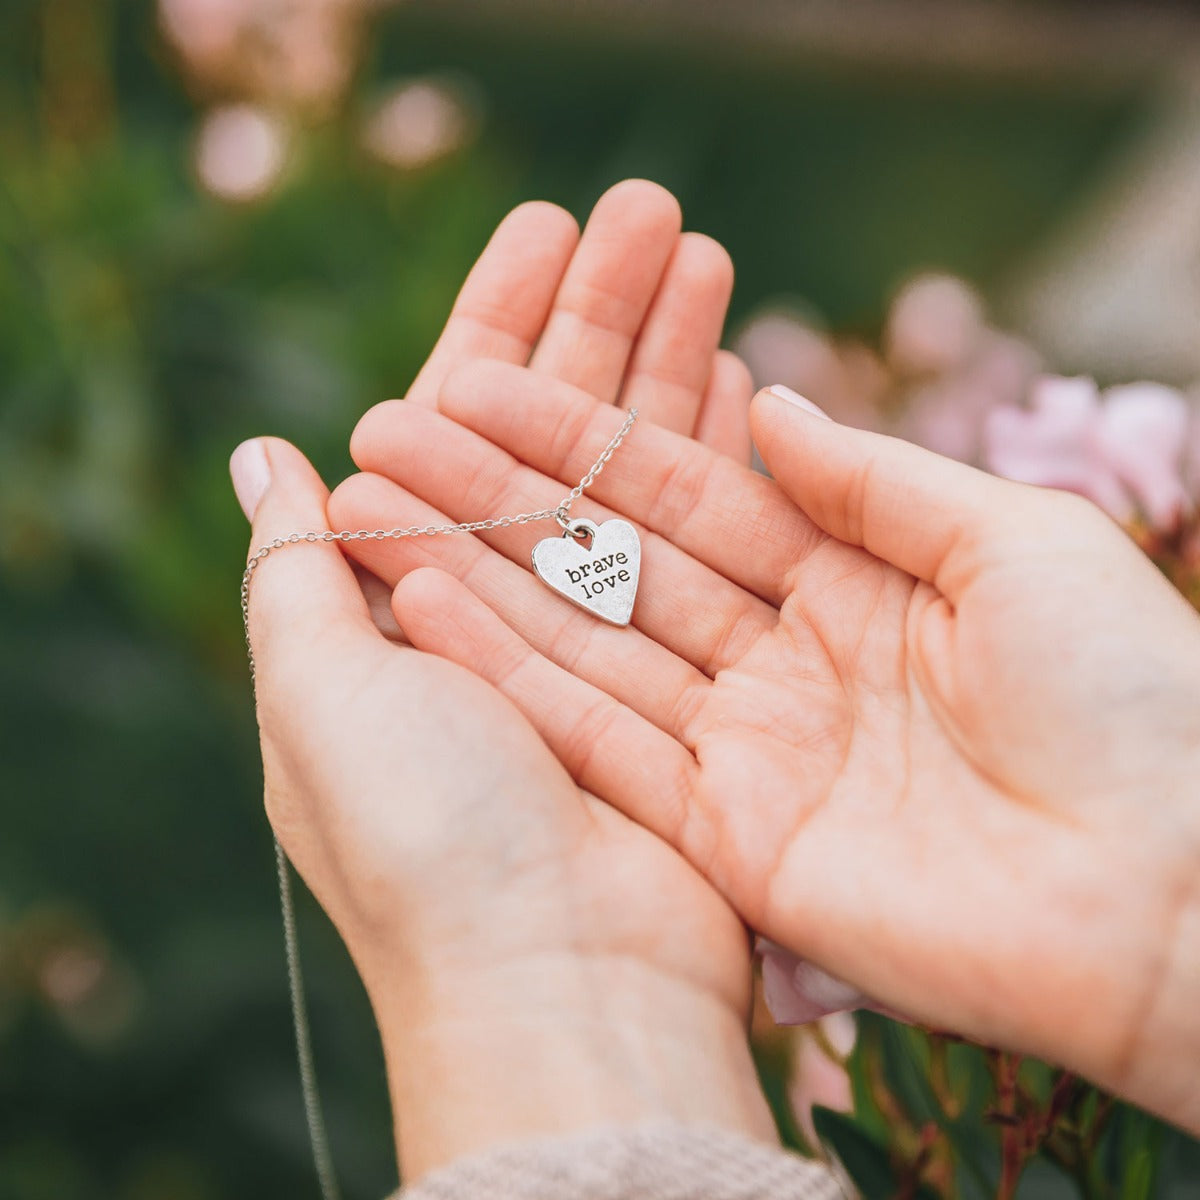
x,y
1005,367
1191,451
241,151
418,122
947,417
797,992
781,347
205,31
865,385
949,414
935,325
1054,444
1142,437
1018,445
1065,407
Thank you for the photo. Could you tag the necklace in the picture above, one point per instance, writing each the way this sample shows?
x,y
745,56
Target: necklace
x,y
593,566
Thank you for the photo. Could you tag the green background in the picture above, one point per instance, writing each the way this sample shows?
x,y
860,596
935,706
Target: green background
x,y
146,328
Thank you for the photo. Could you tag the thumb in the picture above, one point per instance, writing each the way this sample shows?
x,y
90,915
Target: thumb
x,y
923,513
302,595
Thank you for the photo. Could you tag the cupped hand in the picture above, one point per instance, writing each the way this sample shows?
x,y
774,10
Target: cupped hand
x,y
937,732
537,961
632,312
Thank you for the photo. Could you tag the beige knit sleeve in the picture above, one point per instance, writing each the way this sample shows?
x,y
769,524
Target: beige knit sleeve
x,y
645,1162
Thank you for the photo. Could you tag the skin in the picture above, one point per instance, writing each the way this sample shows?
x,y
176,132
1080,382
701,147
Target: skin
x,y
538,962
934,731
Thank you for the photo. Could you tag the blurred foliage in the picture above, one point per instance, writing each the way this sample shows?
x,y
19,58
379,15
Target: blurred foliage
x,y
145,328
933,1116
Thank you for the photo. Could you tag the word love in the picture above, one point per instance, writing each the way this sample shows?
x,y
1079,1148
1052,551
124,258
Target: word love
x,y
601,577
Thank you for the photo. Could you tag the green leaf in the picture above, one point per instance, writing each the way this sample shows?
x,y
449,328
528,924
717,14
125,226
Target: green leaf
x,y
1139,1174
773,1064
906,1066
1140,1143
864,1159
906,1070
866,1048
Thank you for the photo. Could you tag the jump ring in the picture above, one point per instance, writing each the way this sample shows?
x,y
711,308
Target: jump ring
x,y
581,528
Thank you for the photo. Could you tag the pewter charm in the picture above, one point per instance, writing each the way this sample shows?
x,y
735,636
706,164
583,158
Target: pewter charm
x,y
602,576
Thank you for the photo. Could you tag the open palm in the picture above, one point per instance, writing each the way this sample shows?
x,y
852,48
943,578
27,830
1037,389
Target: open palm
x,y
886,704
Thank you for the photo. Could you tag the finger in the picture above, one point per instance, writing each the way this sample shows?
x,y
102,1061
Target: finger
x,y
923,513
683,605
608,288
673,359
304,600
503,305
623,662
723,423
608,749
717,512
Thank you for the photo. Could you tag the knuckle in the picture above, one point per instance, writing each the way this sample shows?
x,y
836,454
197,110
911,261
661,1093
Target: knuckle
x,y
472,374
731,366
565,438
680,492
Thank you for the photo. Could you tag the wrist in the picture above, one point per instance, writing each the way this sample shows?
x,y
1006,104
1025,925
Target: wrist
x,y
556,1044
1137,1030
1158,1064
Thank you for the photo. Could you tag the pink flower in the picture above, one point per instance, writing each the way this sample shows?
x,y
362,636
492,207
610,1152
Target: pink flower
x,y
935,325
1191,452
301,52
417,123
796,992
847,380
1143,436
781,346
241,151
947,414
205,31
1124,452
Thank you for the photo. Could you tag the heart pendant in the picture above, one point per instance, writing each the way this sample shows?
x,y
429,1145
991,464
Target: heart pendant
x,y
601,577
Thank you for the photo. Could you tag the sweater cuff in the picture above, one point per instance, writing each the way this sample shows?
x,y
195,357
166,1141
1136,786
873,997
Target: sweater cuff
x,y
660,1161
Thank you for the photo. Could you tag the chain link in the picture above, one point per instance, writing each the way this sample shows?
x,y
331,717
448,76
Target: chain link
x,y
308,1074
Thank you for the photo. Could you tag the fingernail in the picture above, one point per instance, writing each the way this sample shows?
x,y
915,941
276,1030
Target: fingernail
x,y
251,475
786,393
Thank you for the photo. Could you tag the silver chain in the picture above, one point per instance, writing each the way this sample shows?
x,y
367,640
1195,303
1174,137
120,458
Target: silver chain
x,y
561,513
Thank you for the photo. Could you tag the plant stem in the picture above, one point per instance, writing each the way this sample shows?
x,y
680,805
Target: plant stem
x,y
1012,1141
